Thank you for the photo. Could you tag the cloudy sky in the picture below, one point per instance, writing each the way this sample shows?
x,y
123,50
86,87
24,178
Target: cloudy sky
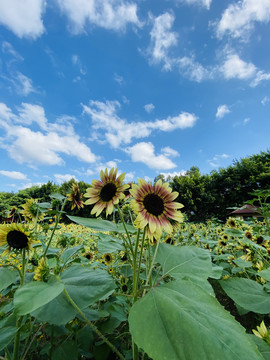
x,y
147,86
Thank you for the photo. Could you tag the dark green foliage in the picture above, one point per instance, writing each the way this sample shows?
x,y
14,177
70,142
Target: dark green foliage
x,y
206,196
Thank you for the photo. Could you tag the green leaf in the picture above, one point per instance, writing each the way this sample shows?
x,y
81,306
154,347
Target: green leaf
x,y
95,224
86,286
262,346
7,335
109,244
57,196
59,311
181,261
247,293
265,274
181,321
68,253
7,277
34,295
67,350
242,263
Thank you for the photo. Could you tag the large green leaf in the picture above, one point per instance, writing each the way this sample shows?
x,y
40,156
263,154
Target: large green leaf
x,y
7,277
86,286
68,253
109,244
247,293
7,335
262,346
95,224
265,274
59,311
181,261
67,350
182,321
34,295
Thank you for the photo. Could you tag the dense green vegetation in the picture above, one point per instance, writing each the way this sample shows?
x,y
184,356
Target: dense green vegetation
x,y
203,196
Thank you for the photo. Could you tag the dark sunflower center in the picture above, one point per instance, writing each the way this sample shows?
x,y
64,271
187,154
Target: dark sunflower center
x,y
17,240
153,204
108,192
108,258
260,240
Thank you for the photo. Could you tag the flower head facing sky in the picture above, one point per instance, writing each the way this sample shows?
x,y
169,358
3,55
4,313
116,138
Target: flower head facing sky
x,y
155,207
106,192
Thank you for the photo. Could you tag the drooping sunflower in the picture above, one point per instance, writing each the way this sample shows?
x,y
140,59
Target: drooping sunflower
x,y
75,197
106,192
13,212
155,207
31,210
16,237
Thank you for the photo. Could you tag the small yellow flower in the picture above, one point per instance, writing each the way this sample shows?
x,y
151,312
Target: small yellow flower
x,y
261,331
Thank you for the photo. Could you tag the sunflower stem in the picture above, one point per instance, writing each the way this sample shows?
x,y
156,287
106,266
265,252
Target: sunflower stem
x,y
94,327
152,265
55,226
124,224
140,261
19,320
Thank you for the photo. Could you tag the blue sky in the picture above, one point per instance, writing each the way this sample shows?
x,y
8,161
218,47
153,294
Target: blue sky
x,y
149,87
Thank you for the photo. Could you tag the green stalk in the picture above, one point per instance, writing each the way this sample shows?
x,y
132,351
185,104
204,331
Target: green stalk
x,y
94,327
152,265
124,224
55,226
19,320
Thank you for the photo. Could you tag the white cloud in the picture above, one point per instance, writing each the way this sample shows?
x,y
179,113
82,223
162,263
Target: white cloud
x,y
60,178
162,39
13,174
236,68
7,48
119,79
77,62
23,84
216,160
145,153
168,151
239,17
119,131
222,110
265,100
29,113
260,76
35,147
23,17
149,108
192,69
204,3
109,14
171,175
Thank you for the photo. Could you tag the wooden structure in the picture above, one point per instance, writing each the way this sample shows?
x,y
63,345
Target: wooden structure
x,y
247,211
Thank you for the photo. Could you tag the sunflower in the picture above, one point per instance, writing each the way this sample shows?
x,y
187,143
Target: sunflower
x,y
12,212
42,271
108,258
31,210
75,197
107,192
155,207
231,223
15,236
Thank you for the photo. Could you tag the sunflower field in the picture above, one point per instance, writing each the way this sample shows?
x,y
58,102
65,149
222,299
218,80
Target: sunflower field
x,y
145,285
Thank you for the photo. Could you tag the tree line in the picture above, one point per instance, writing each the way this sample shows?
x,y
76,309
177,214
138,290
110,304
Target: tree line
x,y
204,196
